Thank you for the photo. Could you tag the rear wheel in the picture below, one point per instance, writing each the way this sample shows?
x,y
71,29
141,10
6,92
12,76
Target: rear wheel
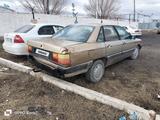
x,y
135,53
96,72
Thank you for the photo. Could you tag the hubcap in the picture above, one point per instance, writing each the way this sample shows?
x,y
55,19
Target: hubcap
x,y
135,53
98,71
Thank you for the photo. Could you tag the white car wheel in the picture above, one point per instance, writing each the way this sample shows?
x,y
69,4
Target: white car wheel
x,y
135,53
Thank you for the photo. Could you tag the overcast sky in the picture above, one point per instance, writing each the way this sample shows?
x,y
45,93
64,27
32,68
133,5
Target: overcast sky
x,y
126,6
144,6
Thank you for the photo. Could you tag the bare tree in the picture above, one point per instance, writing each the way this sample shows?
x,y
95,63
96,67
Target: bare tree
x,y
45,6
104,9
27,5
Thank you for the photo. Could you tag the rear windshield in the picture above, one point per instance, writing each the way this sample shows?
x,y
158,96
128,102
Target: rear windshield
x,y
25,29
77,33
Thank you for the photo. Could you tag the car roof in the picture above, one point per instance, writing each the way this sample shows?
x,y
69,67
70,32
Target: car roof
x,y
42,24
95,24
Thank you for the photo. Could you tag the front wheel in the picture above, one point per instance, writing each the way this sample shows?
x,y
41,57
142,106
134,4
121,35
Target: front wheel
x,y
135,53
96,72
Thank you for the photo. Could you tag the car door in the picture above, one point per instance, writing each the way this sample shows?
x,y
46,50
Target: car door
x,y
113,44
46,31
129,44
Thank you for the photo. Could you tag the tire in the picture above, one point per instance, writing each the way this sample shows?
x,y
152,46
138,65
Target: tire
x,y
96,72
135,53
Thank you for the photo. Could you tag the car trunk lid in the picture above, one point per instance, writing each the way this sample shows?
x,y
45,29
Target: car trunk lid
x,y
56,51
53,45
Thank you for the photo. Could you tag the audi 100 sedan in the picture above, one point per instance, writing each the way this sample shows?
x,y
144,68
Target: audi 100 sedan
x,y
88,49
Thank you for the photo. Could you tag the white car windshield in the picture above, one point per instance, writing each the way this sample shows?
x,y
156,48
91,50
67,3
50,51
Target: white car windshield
x,y
25,29
77,33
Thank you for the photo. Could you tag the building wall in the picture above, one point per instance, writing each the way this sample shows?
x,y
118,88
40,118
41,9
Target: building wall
x,y
9,22
149,26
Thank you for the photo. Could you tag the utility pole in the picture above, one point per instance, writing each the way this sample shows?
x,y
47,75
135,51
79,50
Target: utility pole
x,y
134,15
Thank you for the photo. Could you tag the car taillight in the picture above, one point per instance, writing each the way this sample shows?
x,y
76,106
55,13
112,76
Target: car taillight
x,y
29,49
55,57
62,59
18,39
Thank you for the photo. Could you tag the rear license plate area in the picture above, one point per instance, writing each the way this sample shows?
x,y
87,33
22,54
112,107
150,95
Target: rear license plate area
x,y
42,52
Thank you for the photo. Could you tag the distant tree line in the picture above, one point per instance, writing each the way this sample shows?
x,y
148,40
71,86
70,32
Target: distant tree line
x,y
104,9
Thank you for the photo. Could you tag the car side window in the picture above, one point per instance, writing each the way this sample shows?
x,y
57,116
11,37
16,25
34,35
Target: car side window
x,y
46,30
110,33
101,36
58,28
122,33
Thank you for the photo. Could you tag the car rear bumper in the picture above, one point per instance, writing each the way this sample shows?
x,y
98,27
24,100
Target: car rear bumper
x,y
65,71
16,49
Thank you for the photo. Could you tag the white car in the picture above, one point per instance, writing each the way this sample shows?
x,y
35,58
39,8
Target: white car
x,y
133,31
16,42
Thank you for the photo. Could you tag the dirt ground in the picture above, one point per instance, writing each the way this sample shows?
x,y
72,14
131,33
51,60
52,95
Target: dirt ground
x,y
136,81
21,93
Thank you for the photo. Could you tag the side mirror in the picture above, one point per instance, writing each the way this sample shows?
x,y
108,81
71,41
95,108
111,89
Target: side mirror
x,y
132,37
